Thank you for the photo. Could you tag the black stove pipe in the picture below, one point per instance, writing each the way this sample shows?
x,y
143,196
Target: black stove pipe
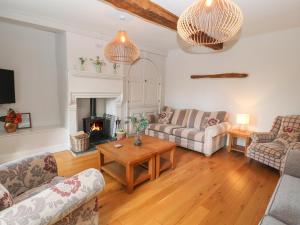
x,y
93,107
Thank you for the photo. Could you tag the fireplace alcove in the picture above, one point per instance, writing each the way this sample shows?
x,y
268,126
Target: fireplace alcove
x,y
96,114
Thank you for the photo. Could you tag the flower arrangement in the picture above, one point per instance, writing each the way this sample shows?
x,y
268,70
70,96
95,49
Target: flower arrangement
x,y
98,64
11,120
139,125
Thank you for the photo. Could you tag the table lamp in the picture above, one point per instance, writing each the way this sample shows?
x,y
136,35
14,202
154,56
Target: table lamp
x,y
243,121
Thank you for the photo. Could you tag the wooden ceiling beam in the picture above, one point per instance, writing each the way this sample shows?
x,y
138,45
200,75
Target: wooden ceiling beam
x,y
152,12
147,10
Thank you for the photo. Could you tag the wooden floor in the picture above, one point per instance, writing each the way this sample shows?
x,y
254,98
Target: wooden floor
x,y
224,189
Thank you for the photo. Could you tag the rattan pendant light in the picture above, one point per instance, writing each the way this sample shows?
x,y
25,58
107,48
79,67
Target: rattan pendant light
x,y
122,49
208,22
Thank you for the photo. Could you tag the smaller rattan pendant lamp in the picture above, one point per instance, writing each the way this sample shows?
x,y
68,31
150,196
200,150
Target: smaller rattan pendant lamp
x,y
208,22
121,49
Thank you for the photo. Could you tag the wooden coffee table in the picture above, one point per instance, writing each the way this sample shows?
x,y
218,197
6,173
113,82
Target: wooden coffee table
x,y
127,163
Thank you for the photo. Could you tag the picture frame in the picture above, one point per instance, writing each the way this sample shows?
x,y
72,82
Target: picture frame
x,y
26,121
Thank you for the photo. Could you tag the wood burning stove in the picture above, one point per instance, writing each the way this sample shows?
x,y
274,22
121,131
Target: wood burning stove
x,y
99,128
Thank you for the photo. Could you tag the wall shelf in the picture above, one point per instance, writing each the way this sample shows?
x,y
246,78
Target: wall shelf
x,y
94,75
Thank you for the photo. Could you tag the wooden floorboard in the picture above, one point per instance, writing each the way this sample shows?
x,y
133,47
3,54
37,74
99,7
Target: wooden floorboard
x,y
224,189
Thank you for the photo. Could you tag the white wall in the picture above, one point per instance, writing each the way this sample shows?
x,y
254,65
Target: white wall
x,y
31,54
272,61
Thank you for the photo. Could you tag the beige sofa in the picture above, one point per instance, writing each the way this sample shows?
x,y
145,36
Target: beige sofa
x,y
188,128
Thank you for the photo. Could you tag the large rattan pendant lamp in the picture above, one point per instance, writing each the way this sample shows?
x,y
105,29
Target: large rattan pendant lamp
x,y
208,22
121,49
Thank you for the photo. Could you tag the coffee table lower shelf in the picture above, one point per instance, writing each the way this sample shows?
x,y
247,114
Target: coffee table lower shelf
x,y
118,171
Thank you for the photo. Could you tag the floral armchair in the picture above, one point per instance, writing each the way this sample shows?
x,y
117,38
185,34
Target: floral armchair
x,y
271,147
31,193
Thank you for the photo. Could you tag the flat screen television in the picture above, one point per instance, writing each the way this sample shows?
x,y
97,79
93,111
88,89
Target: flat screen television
x,y
7,87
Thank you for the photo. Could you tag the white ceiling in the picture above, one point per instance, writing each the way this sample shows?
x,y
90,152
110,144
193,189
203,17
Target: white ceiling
x,y
261,16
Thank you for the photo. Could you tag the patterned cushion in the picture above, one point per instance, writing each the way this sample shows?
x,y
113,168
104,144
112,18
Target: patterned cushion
x,y
22,175
190,134
180,117
165,117
198,119
210,121
5,198
165,128
152,118
167,109
291,123
270,150
37,190
288,137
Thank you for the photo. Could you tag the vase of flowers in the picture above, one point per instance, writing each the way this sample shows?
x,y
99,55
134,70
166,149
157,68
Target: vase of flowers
x,y
98,64
11,120
139,125
82,63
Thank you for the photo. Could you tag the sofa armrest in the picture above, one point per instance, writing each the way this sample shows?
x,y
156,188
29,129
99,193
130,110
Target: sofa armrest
x,y
53,204
213,131
262,137
291,165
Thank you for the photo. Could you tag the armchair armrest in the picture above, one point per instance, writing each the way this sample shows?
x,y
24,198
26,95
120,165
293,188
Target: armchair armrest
x,y
291,163
262,137
294,146
213,131
53,204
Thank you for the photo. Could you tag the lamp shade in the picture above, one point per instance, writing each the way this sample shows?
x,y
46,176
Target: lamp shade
x,y
122,49
243,119
210,22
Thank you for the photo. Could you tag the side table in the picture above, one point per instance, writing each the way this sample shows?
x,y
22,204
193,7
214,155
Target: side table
x,y
236,134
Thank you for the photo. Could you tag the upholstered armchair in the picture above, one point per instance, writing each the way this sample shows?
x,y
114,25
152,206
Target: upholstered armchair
x,y
270,147
31,193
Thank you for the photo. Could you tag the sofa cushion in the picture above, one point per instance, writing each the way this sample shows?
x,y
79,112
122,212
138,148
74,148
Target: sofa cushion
x,y
190,134
6,199
268,220
167,109
180,117
165,117
290,123
38,189
198,119
284,205
269,150
165,128
22,175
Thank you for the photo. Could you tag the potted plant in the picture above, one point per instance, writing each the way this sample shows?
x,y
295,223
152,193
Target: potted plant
x,y
121,134
115,67
11,120
98,64
82,63
139,125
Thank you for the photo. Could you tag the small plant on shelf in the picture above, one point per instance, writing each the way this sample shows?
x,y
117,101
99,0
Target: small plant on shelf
x,y
116,67
98,64
139,124
11,120
82,63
